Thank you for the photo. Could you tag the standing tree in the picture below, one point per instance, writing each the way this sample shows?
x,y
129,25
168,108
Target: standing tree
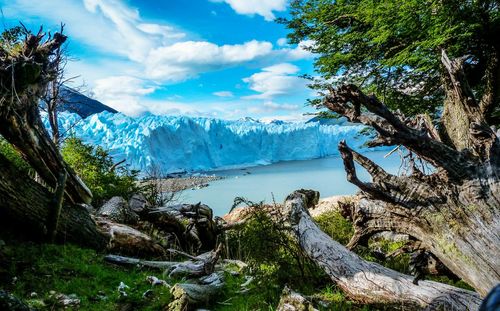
x,y
398,51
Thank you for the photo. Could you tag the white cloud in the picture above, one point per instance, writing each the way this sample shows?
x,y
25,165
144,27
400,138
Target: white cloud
x,y
280,79
270,106
184,60
127,57
223,94
282,42
301,51
123,93
264,8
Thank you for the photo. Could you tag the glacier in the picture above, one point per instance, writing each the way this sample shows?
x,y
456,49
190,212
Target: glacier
x,y
194,144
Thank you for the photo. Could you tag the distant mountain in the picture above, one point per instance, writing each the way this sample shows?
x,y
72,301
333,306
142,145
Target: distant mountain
x,y
76,102
327,121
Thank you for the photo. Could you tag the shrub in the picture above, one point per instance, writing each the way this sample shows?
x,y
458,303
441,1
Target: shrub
x,y
95,167
273,255
336,226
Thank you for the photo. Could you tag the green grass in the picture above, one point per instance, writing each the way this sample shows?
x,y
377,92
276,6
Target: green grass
x,y
72,270
274,263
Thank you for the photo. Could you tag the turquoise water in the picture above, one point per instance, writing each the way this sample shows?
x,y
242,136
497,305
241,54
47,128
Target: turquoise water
x,y
261,183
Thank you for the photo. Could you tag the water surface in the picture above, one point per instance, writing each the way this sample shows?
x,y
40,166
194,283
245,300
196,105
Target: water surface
x,y
261,183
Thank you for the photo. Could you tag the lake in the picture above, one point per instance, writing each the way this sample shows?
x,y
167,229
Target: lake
x,y
261,183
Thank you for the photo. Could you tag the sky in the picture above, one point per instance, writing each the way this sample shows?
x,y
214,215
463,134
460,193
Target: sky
x,y
213,58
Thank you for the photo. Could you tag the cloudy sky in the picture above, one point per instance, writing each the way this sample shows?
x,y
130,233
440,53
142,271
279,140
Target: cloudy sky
x,y
217,58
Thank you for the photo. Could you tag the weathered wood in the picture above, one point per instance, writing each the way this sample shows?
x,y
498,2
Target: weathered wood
x,y
293,301
23,78
454,211
198,266
25,206
126,240
192,224
368,282
186,296
57,204
128,261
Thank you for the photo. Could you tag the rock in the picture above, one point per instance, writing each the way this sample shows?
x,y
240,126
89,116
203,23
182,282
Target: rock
x,y
122,289
329,204
138,203
64,301
118,210
11,303
153,280
292,301
148,294
67,300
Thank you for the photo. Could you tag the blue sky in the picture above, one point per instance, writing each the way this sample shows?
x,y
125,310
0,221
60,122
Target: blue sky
x,y
216,58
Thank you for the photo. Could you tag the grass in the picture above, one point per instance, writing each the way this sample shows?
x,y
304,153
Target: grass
x,y
69,270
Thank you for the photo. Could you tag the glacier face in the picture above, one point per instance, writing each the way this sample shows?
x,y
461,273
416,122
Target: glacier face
x,y
178,143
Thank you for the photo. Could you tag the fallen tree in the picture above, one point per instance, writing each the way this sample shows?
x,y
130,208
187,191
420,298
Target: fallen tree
x,y
26,207
368,282
26,66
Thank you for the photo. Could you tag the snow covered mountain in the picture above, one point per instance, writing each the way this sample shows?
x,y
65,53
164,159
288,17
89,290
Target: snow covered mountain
x,y
198,144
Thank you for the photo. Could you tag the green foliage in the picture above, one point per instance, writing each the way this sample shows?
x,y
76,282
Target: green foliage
x,y
336,226
392,47
10,40
274,257
69,270
95,166
13,156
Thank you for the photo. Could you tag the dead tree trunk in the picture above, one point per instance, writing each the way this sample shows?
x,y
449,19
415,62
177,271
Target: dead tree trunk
x,y
24,75
454,211
26,206
368,282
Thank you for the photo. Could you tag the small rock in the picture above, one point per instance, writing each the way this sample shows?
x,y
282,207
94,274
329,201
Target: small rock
x,y
67,300
121,289
118,210
148,294
153,280
138,203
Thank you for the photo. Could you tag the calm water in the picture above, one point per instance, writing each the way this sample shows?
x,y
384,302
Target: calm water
x,y
259,183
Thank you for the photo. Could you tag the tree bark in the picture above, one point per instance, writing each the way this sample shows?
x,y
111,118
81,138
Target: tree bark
x,y
368,282
186,296
25,207
23,78
455,210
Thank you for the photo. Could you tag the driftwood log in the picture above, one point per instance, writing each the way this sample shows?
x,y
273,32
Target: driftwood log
x,y
186,296
368,282
198,266
191,225
453,210
293,301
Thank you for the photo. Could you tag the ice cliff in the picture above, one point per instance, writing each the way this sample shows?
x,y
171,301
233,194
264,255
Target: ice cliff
x,y
178,143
